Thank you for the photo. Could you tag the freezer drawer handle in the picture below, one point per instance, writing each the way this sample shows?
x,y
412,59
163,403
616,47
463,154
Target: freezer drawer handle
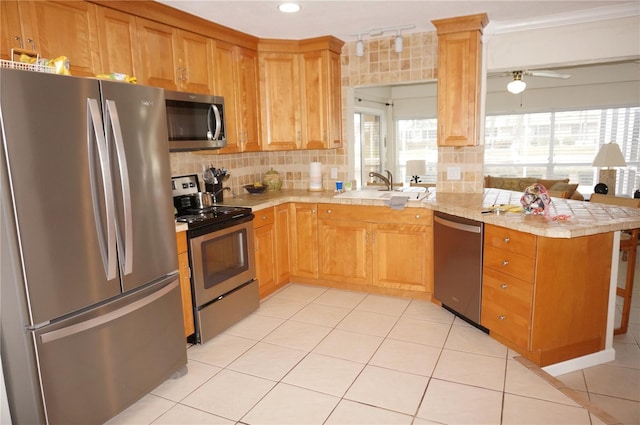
x,y
109,317
125,246
107,243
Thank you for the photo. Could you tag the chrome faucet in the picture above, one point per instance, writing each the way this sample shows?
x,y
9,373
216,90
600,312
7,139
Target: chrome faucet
x,y
215,194
387,180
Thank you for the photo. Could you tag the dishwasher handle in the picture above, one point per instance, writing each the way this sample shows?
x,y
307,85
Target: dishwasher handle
x,y
458,226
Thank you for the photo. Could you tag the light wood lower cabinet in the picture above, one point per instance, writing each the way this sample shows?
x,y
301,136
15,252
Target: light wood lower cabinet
x,y
376,247
303,240
546,298
271,232
185,283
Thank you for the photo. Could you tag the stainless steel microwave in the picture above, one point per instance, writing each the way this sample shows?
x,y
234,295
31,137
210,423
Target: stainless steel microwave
x,y
195,121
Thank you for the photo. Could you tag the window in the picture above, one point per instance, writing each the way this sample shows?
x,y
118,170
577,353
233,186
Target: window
x,y
369,147
417,139
563,144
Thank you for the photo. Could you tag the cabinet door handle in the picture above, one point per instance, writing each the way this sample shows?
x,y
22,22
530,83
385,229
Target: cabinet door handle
x,y
19,40
417,216
506,239
264,217
502,317
313,211
505,262
329,211
503,286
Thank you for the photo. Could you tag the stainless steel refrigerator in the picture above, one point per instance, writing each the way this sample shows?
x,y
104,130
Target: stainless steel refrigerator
x,y
90,304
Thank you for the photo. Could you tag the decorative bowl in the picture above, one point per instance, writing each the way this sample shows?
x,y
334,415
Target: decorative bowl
x,y
254,189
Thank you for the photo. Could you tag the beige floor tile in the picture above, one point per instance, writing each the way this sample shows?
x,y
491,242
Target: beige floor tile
x,y
286,404
626,338
221,350
386,305
306,293
368,323
255,326
351,413
180,414
574,380
319,314
324,374
520,410
144,411
627,411
297,335
347,345
613,381
389,389
521,381
421,332
406,357
473,340
267,361
176,389
229,394
426,310
452,403
471,369
627,355
340,298
280,307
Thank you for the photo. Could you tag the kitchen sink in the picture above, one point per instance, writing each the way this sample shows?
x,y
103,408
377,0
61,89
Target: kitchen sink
x,y
382,195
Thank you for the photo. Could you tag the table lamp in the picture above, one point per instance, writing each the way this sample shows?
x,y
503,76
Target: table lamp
x,y
609,156
416,168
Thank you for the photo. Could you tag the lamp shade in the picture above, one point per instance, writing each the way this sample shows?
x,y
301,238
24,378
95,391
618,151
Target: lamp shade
x,y
416,167
609,155
516,86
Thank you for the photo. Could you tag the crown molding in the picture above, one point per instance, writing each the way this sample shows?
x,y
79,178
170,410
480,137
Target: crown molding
x,y
625,10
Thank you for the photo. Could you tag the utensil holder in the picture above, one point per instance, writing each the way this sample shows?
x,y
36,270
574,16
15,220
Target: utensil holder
x,y
216,190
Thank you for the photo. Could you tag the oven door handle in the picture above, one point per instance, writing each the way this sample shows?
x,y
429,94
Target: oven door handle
x,y
96,141
125,243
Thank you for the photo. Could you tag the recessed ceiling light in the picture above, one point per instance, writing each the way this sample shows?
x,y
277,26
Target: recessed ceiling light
x,y
289,7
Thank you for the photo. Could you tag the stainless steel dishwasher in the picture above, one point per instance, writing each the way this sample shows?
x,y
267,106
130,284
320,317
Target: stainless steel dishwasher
x,y
458,265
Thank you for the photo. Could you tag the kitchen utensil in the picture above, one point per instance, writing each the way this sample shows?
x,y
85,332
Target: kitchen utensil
x,y
201,200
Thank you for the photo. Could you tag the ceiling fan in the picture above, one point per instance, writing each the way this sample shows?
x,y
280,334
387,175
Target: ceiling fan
x,y
518,85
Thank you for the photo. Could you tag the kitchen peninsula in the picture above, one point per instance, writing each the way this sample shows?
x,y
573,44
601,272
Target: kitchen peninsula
x,y
557,303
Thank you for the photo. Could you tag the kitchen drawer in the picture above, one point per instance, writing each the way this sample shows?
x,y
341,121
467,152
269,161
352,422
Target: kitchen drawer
x,y
263,217
510,240
371,214
506,306
516,265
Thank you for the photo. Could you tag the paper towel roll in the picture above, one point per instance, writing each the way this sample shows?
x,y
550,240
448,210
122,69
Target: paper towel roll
x,y
315,176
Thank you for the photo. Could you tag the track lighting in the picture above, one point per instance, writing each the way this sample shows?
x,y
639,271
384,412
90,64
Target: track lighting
x,y
398,41
359,46
517,85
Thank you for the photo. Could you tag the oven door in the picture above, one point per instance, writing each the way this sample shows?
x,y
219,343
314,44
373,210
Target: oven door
x,y
221,261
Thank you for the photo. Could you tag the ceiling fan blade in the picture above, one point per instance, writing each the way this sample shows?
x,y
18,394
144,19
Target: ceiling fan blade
x,y
549,74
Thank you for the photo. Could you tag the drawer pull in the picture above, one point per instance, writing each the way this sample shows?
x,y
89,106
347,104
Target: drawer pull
x,y
503,286
506,239
502,317
417,216
329,211
264,217
505,262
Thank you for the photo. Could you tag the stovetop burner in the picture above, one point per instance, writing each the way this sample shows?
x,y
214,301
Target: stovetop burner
x,y
202,217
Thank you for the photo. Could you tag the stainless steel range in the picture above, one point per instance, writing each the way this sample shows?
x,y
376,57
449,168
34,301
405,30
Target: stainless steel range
x,y
222,260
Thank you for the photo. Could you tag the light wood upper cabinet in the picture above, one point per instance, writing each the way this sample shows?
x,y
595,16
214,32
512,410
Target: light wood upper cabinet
x,y
236,70
300,94
459,69
280,101
55,28
118,42
158,45
174,59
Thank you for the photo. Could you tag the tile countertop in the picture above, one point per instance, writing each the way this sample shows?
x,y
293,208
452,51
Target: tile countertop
x,y
585,218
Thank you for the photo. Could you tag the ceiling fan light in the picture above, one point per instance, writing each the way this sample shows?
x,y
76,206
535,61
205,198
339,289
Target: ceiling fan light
x,y
289,7
516,86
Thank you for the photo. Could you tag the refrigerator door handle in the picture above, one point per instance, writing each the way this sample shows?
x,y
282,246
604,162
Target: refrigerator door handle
x,y
126,245
96,141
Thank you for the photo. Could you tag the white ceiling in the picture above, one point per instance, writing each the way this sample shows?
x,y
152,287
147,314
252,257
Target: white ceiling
x,y
344,19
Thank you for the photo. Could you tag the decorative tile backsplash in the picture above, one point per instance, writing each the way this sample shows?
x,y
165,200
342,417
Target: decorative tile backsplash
x,y
380,64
